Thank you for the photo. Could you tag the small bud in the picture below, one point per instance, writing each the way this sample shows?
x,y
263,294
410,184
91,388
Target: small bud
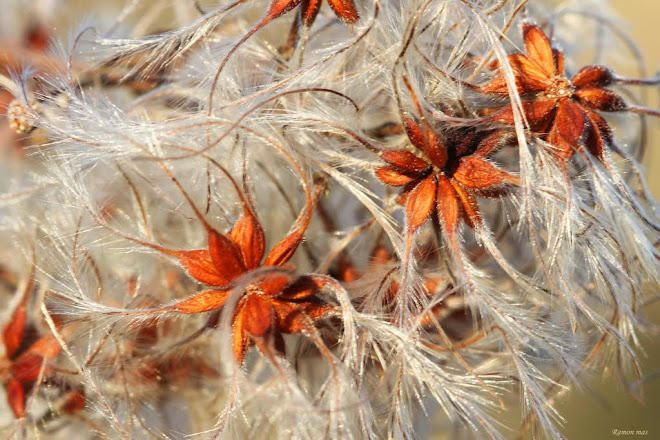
x,y
18,116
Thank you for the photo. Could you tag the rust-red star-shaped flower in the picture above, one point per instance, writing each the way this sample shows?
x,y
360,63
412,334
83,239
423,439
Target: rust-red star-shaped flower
x,y
268,307
564,111
444,174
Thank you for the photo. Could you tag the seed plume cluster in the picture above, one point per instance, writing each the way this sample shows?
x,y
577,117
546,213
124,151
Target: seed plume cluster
x,y
297,219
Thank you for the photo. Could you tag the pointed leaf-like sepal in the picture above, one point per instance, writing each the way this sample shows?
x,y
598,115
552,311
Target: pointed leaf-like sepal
x,y
15,397
559,61
303,288
309,9
601,99
449,210
280,7
200,266
225,254
570,122
470,207
539,48
294,317
249,237
599,134
405,161
427,141
534,111
593,76
12,334
202,302
74,401
421,203
345,10
14,331
258,316
530,77
240,342
27,366
567,131
477,173
415,133
274,284
436,149
284,250
393,177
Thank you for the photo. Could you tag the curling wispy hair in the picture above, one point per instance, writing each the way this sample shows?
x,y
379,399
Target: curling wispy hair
x,y
456,263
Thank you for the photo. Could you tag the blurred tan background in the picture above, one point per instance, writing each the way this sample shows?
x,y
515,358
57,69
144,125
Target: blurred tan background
x,y
641,21
595,413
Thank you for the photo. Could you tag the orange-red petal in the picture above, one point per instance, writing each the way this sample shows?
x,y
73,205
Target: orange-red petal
x,y
345,10
568,128
274,284
202,302
497,85
436,149
415,133
539,48
570,122
27,366
598,135
470,207
600,99
421,202
46,346
393,177
240,342
346,270
559,61
258,316
295,317
74,401
563,151
280,7
249,237
529,75
199,265
534,111
284,250
302,288
226,256
12,334
593,76
449,210
477,173
488,144
427,141
16,397
405,161
309,9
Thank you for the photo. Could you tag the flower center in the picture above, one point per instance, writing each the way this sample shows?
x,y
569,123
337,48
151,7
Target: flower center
x,y
253,289
559,87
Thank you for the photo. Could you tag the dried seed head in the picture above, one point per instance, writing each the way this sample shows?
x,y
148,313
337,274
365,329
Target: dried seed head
x,y
18,117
